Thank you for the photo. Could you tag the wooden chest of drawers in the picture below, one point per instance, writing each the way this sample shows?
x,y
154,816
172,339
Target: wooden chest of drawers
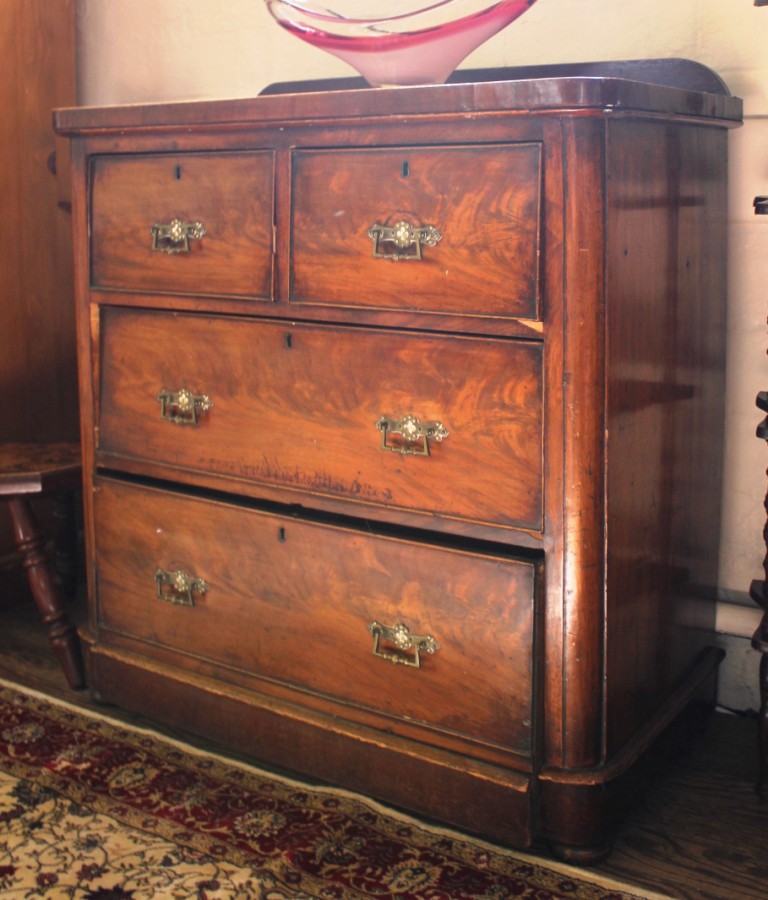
x,y
402,416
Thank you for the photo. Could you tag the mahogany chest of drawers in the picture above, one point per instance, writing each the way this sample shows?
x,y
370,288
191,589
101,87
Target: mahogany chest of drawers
x,y
402,417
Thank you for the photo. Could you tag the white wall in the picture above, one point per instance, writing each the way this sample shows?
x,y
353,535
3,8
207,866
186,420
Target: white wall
x,y
144,51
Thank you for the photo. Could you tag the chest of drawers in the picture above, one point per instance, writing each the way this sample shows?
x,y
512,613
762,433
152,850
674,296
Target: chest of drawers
x,y
402,416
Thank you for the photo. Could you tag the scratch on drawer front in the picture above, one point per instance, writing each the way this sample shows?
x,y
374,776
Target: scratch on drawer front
x,y
271,470
319,481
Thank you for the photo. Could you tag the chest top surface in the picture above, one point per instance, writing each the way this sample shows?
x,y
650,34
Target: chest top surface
x,y
678,88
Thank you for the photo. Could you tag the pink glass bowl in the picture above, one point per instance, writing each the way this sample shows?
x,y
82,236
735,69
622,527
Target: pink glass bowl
x,y
412,44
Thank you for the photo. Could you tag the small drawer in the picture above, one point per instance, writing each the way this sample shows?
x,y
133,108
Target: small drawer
x,y
451,230
198,223
448,426
300,604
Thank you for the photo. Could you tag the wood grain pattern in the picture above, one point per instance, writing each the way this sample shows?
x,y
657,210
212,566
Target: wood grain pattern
x,y
484,201
37,353
38,367
571,88
231,194
292,601
665,358
559,431
297,407
582,538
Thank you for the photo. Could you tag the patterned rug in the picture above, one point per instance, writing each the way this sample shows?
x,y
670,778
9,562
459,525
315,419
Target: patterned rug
x,y
92,808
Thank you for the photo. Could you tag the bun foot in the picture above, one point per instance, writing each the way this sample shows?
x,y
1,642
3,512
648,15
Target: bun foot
x,y
580,856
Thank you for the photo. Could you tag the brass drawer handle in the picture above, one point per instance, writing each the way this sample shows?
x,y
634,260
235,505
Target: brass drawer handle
x,y
416,434
175,236
183,407
400,635
402,240
178,587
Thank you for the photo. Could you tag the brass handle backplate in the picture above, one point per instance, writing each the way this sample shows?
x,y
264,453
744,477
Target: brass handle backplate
x,y
178,587
402,638
175,236
402,240
183,407
416,434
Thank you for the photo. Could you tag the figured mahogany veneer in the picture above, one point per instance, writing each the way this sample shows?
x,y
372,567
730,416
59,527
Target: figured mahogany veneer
x,y
486,260
490,442
229,193
251,562
302,413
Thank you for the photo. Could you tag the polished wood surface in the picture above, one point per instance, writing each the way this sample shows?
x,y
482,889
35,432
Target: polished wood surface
x,y
570,87
38,367
27,470
484,201
679,73
301,412
584,437
478,609
665,364
39,468
230,194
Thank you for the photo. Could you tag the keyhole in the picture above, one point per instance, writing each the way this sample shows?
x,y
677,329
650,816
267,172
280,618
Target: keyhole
x,y
281,535
406,168
177,173
288,342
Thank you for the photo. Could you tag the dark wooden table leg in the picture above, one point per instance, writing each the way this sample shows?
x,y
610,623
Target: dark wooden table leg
x,y
758,591
47,591
760,643
65,541
762,781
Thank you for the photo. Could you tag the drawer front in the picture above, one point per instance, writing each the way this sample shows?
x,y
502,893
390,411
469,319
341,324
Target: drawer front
x,y
136,199
325,410
293,602
483,200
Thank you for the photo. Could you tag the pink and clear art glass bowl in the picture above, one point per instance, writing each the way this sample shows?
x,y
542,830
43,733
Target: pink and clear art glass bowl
x,y
412,42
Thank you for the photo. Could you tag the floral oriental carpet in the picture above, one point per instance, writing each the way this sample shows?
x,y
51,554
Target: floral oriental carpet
x,y
93,808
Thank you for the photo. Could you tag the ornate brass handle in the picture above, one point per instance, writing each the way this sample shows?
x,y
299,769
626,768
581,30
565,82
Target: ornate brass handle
x,y
416,434
400,635
402,240
178,587
175,236
183,407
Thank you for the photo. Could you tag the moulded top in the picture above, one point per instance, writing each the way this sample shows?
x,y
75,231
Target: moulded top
x,y
667,87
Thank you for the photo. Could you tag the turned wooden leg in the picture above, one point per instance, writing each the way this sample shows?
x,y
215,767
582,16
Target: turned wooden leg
x,y
762,781
46,590
757,591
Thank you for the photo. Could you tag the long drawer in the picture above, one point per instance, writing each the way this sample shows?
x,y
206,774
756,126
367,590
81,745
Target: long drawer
x,y
447,426
429,636
449,229
197,223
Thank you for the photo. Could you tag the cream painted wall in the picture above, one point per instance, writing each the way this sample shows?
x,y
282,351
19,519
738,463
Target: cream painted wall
x,y
143,51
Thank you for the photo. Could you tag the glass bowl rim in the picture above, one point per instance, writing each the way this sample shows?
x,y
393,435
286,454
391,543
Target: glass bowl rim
x,y
322,11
